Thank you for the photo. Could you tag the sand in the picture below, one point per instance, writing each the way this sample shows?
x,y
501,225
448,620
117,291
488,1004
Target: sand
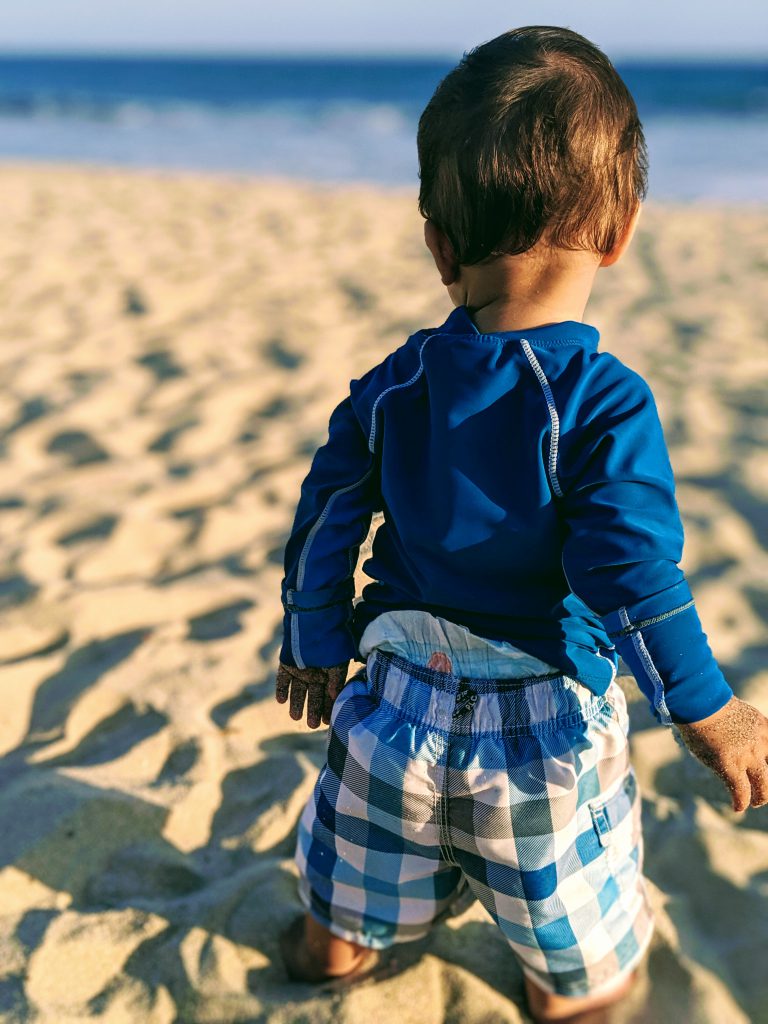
x,y
171,348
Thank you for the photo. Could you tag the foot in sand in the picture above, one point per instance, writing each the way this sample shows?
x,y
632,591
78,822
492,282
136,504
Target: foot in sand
x,y
313,954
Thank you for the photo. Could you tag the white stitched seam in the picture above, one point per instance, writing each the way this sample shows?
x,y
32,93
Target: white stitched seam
x,y
393,387
643,653
554,418
324,515
320,520
654,619
295,641
658,699
610,662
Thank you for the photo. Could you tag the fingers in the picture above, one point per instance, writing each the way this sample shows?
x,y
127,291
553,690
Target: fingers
x,y
292,685
337,677
758,780
282,685
298,696
733,742
741,791
336,681
317,687
316,690
299,686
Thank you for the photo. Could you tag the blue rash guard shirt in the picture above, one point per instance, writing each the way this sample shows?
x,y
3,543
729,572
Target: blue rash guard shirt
x,y
527,494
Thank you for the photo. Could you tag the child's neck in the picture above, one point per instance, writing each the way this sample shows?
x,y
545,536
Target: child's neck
x,y
522,292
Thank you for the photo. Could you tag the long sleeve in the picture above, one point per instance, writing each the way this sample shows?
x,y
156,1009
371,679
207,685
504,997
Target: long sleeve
x,y
623,542
338,498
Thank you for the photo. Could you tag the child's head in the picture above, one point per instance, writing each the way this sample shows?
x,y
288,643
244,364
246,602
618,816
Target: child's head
x,y
532,136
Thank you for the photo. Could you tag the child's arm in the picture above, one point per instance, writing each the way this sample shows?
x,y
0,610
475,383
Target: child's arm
x,y
338,498
623,541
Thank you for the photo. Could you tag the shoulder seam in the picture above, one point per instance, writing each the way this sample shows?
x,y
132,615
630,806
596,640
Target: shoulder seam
x,y
553,416
394,387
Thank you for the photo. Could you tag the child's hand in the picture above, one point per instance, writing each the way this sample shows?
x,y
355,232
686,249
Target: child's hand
x,y
320,686
734,744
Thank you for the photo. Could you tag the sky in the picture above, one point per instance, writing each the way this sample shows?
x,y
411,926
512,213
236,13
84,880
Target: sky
x,y
657,28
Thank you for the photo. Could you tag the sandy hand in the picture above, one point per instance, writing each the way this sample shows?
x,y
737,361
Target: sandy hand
x,y
733,743
319,686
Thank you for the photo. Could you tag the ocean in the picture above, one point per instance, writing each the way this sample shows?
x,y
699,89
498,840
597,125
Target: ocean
x,y
345,120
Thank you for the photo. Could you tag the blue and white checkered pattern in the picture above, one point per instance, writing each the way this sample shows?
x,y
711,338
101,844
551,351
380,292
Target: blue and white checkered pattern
x,y
518,792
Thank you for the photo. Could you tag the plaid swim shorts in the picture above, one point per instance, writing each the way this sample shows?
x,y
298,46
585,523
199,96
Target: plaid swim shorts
x,y
438,789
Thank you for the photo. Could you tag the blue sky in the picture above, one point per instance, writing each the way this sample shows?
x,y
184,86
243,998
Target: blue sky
x,y
622,27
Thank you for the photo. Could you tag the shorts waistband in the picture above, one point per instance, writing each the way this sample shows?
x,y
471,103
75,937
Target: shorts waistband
x,y
465,704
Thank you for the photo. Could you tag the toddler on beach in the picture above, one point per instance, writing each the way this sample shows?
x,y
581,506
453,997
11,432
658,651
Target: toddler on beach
x,y
530,536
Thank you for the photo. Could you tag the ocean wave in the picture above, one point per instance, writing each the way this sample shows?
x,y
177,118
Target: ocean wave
x,y
100,88
334,137
384,117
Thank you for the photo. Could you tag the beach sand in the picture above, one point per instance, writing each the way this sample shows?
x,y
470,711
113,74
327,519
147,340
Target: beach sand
x,y
171,347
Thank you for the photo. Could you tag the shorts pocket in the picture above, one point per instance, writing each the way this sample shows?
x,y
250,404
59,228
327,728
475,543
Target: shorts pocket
x,y
614,818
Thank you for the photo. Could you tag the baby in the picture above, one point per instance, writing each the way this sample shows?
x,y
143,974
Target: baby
x,y
530,536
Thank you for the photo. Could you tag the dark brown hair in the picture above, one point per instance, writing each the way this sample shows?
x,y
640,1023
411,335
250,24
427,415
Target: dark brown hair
x,y
533,130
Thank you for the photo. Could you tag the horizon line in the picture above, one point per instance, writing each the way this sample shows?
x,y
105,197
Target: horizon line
x,y
690,56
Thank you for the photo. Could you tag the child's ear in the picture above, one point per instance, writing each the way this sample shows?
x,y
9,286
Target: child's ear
x,y
442,253
622,244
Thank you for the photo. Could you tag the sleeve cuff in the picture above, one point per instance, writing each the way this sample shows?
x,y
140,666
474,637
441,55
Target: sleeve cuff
x,y
317,600
661,639
320,638
638,615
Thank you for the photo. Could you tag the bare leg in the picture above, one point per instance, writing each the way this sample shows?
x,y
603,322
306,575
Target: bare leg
x,y
547,1008
312,953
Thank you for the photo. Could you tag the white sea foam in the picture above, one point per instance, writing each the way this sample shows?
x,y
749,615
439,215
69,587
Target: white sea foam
x,y
692,158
